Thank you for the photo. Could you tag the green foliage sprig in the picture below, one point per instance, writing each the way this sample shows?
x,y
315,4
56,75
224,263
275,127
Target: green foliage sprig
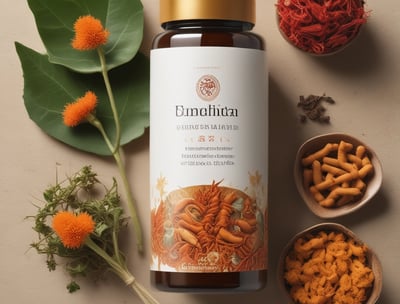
x,y
83,193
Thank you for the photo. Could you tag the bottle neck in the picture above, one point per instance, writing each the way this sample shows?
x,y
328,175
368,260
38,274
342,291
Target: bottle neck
x,y
225,25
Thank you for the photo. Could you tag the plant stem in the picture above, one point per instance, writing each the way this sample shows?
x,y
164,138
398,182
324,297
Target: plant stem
x,y
104,72
121,270
121,168
132,209
117,253
116,152
96,123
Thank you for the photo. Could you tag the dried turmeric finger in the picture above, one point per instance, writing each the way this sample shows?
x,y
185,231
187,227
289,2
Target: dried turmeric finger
x,y
328,182
335,162
355,160
344,200
307,177
327,202
317,195
332,169
344,191
365,170
336,193
360,151
343,148
358,183
346,177
328,148
316,170
365,160
330,161
345,184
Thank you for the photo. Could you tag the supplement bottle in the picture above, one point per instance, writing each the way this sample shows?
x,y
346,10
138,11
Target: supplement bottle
x,y
208,148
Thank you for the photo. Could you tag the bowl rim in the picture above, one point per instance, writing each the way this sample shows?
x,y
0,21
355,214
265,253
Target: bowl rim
x,y
329,213
372,258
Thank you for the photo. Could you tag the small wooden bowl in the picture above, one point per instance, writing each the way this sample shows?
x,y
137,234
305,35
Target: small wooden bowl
x,y
372,259
374,180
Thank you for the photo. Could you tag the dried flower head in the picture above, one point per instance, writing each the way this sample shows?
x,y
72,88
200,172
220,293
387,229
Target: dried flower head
x,y
76,112
73,229
89,33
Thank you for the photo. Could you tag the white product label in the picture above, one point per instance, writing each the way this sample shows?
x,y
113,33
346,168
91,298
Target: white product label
x,y
208,159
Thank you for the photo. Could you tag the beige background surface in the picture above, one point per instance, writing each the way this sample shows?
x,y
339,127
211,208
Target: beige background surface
x,y
364,80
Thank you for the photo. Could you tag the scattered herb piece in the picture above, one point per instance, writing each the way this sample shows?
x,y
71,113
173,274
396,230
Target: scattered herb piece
x,y
313,109
320,26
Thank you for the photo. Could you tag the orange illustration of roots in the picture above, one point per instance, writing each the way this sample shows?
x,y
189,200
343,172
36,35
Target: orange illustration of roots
x,y
209,229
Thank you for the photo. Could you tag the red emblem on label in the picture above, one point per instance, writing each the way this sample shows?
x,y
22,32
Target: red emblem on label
x,y
208,87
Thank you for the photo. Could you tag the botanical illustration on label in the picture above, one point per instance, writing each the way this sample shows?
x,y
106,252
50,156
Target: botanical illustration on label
x,y
210,228
208,160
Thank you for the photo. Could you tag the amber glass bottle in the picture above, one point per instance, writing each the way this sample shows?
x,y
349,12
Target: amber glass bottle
x,y
208,148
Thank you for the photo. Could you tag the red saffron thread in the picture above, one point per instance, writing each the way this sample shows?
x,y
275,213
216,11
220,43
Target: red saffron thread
x,y
320,26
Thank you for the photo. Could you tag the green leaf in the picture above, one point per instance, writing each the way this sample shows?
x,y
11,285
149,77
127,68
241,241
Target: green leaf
x,y
100,228
49,87
122,18
73,287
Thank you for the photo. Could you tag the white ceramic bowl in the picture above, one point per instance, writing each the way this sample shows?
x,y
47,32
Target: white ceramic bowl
x,y
372,259
373,180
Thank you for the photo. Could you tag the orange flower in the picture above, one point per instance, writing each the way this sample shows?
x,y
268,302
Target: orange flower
x,y
89,33
76,112
73,229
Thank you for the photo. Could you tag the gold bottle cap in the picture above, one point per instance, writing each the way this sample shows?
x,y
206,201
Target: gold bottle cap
x,y
238,10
